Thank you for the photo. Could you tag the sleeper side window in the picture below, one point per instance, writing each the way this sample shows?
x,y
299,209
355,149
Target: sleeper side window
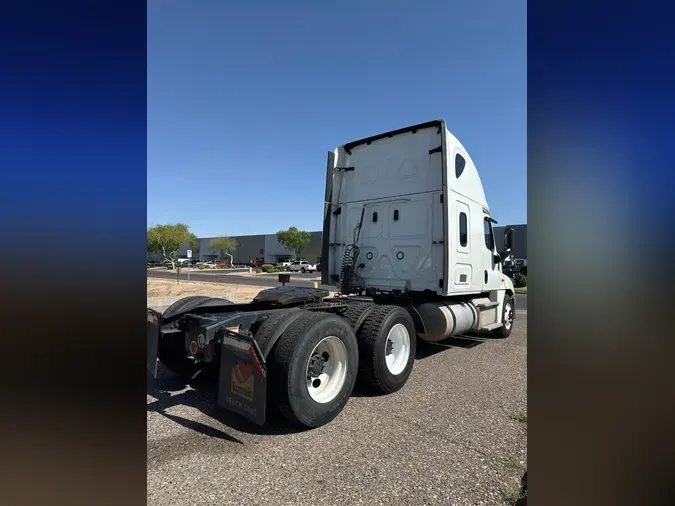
x,y
460,163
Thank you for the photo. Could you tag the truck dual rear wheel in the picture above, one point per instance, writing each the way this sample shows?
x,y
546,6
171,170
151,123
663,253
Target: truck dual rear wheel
x,y
171,351
387,347
313,368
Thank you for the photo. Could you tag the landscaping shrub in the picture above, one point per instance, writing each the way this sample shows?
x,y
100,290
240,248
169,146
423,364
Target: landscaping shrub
x,y
268,268
520,281
258,270
201,267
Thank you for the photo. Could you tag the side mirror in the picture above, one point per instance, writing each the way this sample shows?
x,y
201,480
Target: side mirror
x,y
508,239
497,257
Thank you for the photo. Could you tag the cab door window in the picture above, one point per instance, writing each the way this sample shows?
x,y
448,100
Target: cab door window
x,y
489,236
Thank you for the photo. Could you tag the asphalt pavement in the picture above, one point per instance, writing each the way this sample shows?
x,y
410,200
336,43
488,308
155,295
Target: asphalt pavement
x,y
449,437
218,276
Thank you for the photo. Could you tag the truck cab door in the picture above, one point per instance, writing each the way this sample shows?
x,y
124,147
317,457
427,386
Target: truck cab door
x,y
491,271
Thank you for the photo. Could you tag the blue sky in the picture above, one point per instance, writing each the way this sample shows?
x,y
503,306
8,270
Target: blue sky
x,y
246,98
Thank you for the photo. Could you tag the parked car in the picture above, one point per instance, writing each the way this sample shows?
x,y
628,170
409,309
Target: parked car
x,y
302,266
257,263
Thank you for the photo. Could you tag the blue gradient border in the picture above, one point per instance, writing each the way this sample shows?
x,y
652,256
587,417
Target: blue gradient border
x,y
600,175
73,203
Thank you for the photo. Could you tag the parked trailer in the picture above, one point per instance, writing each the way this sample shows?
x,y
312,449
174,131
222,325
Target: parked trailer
x,y
409,245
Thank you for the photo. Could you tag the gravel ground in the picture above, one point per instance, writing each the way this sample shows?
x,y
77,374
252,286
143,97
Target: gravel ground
x,y
163,292
447,438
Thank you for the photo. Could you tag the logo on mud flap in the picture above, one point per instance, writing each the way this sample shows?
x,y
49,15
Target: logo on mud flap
x,y
243,381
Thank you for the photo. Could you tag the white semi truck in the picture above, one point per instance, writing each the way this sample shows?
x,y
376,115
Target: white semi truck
x,y
407,243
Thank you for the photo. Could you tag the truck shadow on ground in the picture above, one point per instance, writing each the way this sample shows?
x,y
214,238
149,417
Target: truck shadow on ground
x,y
426,349
171,390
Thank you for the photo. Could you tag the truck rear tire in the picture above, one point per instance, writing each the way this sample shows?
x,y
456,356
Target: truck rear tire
x,y
171,351
270,325
508,317
353,314
387,347
313,369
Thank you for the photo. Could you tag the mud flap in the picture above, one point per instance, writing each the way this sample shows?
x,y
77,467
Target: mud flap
x,y
152,337
242,386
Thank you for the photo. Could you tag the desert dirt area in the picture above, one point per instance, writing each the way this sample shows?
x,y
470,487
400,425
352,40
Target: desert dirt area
x,y
456,434
163,292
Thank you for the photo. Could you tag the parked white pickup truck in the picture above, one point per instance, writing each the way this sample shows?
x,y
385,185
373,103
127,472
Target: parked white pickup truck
x,y
302,266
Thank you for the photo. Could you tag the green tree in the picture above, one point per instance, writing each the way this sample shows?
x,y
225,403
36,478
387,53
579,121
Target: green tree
x,y
168,239
294,240
225,246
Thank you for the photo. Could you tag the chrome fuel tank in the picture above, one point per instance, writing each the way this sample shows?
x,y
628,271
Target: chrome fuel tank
x,y
446,319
